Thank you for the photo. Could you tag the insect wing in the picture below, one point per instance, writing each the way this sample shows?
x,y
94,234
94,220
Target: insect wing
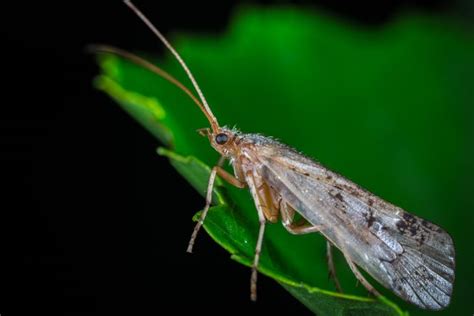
x,y
409,255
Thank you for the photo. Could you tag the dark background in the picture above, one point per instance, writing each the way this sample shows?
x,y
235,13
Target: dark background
x,y
79,176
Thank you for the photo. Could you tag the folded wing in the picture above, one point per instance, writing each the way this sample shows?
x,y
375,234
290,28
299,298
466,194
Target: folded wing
x,y
409,255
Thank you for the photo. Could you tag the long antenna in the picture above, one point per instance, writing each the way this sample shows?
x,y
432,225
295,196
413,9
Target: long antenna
x,y
210,116
151,67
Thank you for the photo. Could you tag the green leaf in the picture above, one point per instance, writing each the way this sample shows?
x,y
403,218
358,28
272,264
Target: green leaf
x,y
236,233
386,108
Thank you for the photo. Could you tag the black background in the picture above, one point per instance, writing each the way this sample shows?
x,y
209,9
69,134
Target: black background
x,y
80,178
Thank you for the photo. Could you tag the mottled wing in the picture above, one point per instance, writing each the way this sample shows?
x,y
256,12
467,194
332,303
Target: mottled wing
x,y
409,255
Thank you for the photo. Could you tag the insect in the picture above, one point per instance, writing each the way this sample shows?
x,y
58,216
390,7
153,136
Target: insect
x,y
406,254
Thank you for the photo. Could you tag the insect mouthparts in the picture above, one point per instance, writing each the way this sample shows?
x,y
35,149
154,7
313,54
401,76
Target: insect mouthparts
x,y
203,131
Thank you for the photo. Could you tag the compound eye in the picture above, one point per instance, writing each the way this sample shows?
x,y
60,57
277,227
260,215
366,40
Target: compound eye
x,y
222,138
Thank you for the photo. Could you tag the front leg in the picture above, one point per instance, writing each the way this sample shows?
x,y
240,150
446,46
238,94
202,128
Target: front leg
x,y
216,170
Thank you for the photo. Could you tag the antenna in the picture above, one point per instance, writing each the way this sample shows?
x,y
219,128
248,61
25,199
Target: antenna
x,y
147,65
207,110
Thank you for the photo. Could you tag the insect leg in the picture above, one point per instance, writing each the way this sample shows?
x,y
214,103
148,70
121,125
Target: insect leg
x,y
331,267
287,215
269,199
356,271
258,248
359,276
230,178
210,186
